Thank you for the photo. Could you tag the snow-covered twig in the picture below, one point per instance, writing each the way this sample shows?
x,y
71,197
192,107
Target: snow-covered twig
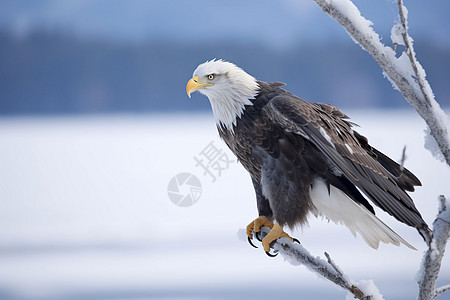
x,y
296,254
431,262
403,159
442,289
407,75
420,76
333,264
409,79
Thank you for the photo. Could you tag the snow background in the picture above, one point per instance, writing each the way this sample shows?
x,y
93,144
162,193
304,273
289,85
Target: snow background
x,y
85,214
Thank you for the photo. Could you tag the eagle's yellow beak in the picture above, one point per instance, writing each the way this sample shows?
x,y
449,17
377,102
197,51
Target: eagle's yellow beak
x,y
193,85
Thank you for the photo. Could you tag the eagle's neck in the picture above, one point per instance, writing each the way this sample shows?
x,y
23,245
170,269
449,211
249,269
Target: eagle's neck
x,y
228,104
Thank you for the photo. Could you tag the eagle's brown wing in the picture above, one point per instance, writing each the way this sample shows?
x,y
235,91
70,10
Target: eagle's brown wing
x,y
349,154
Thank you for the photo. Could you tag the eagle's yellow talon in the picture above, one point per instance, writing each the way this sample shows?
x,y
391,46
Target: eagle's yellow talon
x,y
275,233
255,225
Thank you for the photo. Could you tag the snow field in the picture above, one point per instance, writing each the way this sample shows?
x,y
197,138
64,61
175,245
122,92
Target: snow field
x,y
84,210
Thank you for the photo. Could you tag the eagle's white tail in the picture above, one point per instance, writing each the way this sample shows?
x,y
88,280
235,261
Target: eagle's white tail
x,y
339,208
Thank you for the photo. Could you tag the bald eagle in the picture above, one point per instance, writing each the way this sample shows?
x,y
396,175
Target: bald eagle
x,y
305,157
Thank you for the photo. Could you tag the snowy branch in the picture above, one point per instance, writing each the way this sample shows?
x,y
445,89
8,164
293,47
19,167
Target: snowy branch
x,y
407,75
296,254
407,42
431,262
442,289
405,72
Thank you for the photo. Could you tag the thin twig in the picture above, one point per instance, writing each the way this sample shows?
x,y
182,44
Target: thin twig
x,y
411,53
442,289
333,265
296,254
350,287
403,159
442,203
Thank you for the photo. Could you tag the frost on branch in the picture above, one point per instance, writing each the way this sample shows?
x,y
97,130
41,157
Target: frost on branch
x,y
396,35
296,254
368,288
432,259
407,77
431,145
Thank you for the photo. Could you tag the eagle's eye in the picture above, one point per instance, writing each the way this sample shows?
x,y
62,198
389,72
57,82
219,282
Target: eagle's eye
x,y
211,76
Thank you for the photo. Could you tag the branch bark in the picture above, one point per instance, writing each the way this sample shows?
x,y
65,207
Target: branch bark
x,y
421,81
417,91
296,254
414,87
431,263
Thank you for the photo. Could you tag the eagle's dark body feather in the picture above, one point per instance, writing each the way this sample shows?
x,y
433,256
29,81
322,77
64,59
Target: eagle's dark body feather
x,y
285,143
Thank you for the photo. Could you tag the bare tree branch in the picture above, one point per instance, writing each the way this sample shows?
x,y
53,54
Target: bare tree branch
x,y
423,83
403,159
335,267
442,289
419,95
417,91
296,254
431,263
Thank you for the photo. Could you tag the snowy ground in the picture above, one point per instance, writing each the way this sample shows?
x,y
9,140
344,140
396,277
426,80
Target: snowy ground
x,y
85,214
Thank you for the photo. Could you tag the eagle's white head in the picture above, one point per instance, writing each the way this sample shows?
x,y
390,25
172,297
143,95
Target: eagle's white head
x,y
227,87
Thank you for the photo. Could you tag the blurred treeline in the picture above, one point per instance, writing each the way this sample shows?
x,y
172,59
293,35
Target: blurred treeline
x,y
54,73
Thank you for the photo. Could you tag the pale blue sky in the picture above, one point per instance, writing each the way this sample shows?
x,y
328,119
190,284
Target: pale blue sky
x,y
278,23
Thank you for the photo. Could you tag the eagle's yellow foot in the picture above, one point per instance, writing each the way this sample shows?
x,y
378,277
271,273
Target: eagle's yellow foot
x,y
275,233
255,225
